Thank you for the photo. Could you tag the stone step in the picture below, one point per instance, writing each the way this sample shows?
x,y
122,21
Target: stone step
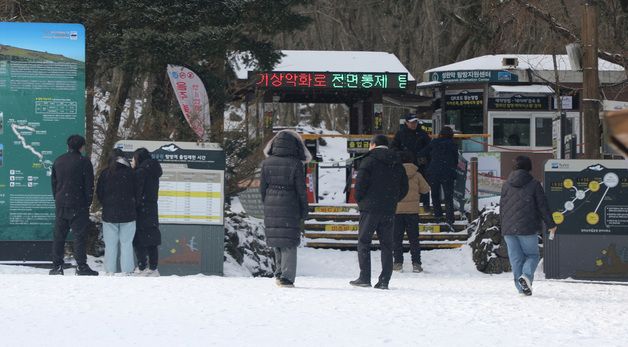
x,y
332,226
428,236
352,245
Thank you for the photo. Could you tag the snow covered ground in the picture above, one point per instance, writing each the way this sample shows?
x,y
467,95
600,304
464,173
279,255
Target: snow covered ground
x,y
449,304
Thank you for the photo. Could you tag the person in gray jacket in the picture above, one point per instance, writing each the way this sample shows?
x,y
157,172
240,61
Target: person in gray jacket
x,y
523,210
282,186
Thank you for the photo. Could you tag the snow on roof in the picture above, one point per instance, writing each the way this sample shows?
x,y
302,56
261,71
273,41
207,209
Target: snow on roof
x,y
532,89
428,84
327,61
526,61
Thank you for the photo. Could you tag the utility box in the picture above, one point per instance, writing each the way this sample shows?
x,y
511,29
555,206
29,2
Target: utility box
x,y
191,205
589,203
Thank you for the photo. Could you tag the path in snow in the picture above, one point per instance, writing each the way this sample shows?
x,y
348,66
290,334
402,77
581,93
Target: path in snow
x,y
449,304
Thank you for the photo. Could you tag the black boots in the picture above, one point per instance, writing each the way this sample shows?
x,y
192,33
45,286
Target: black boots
x,y
56,270
85,270
360,283
381,285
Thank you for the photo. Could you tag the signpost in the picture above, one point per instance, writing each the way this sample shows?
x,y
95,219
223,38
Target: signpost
x,y
589,203
191,205
42,102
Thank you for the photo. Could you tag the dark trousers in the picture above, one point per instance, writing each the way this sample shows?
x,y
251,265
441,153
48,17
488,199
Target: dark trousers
x,y
425,200
68,219
147,255
407,223
448,189
383,224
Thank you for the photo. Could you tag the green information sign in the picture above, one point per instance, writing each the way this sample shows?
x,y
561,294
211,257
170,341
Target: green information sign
x,y
473,76
42,102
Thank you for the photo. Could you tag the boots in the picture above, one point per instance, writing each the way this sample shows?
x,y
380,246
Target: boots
x,y
85,270
397,266
56,270
416,267
360,283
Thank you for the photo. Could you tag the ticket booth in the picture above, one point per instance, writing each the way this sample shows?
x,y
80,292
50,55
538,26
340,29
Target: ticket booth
x,y
191,205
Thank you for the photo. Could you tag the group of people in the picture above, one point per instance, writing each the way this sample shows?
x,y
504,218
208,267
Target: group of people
x,y
128,193
388,190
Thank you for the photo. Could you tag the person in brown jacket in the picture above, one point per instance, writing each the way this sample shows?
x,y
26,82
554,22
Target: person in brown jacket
x,y
407,215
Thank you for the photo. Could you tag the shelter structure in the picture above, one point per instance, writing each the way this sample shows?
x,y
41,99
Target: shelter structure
x,y
364,81
512,97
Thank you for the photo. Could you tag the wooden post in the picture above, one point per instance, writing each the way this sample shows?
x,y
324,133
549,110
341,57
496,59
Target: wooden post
x,y
474,188
590,82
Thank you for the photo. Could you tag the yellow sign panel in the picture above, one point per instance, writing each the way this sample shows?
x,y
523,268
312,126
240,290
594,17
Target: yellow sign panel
x,y
341,227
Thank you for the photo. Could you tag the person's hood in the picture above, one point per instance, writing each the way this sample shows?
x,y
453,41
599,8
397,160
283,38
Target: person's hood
x,y
288,143
385,155
441,141
519,178
152,167
411,170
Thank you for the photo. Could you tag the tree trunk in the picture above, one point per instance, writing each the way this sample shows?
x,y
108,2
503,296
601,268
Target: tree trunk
x,y
122,80
89,109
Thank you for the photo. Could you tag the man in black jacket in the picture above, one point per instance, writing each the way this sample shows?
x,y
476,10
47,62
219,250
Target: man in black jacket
x,y
381,183
413,139
72,190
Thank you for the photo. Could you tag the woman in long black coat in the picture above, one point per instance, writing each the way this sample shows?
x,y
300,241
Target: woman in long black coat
x,y
147,235
284,196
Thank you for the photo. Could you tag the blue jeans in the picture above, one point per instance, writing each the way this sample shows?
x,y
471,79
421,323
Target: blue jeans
x,y
523,252
122,233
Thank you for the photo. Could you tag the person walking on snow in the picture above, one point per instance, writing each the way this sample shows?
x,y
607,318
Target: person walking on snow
x,y
381,183
282,186
407,216
116,192
523,210
72,190
147,234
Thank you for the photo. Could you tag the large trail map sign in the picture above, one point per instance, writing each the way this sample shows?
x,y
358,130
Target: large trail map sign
x,y
589,203
42,102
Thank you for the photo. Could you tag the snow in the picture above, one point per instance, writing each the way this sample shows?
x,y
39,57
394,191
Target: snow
x,y
449,304
526,61
326,61
533,89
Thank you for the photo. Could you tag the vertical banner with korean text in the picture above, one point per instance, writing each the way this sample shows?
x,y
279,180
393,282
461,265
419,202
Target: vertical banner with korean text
x,y
42,102
192,98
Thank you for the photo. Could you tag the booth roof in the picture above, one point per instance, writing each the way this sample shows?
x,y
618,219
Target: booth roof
x,y
326,61
536,62
532,89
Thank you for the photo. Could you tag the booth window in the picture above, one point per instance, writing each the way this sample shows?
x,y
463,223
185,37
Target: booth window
x,y
543,130
511,131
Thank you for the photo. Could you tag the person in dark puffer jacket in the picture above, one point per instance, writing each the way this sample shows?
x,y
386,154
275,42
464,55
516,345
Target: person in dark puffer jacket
x,y
441,171
282,186
523,210
147,234
116,192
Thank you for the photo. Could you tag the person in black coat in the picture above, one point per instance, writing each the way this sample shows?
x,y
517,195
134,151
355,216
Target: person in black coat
x,y
72,189
147,234
282,186
523,211
441,172
116,192
381,183
413,139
